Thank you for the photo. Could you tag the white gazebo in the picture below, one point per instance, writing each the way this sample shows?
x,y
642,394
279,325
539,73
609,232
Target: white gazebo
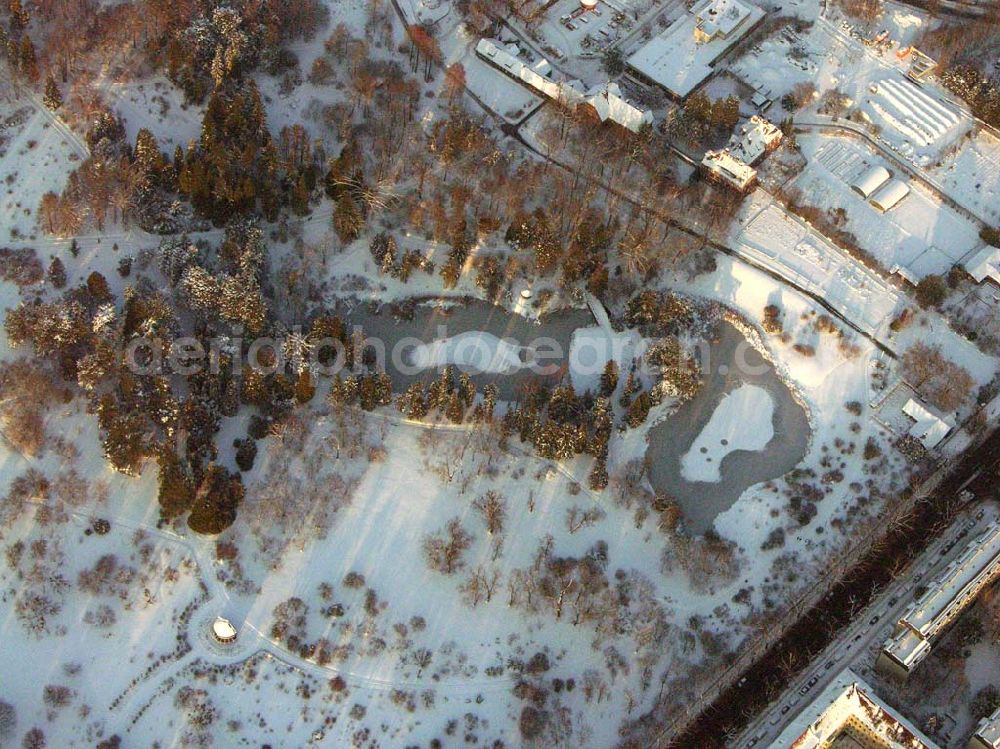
x,y
223,630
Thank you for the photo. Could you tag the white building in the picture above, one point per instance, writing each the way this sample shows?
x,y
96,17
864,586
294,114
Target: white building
x,y
870,181
987,735
889,195
849,715
940,605
985,264
607,100
929,425
682,57
754,139
724,167
223,630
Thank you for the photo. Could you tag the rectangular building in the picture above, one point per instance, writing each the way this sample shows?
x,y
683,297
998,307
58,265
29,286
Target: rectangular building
x,y
723,167
607,101
987,735
940,605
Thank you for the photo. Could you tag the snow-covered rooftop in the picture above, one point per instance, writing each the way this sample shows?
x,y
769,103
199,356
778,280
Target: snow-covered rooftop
x,y
755,138
988,731
850,703
871,180
929,613
889,195
945,599
729,168
607,100
677,61
985,264
929,426
721,17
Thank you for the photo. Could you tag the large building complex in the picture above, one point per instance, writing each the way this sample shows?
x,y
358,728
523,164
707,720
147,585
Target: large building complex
x,y
681,58
849,715
607,100
940,605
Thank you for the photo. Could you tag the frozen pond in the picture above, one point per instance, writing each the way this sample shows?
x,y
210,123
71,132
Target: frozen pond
x,y
499,344
743,427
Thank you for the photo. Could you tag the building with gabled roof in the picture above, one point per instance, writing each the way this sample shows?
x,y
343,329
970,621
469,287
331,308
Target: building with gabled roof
x,y
985,264
929,425
754,139
722,166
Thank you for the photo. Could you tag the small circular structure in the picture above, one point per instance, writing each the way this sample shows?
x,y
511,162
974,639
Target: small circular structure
x,y
525,293
588,4
223,630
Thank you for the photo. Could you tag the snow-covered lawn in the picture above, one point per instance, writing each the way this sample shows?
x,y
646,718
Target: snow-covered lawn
x,y
34,155
741,421
973,174
781,241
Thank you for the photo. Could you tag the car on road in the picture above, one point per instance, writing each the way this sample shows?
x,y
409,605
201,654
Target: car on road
x,y
829,665
785,709
812,682
873,621
893,601
858,636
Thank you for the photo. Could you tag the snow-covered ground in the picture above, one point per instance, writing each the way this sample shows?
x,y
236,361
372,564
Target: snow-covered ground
x,y
972,172
770,235
340,505
35,151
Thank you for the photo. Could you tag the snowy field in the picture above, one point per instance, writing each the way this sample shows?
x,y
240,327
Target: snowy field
x,y
510,100
35,150
351,633
155,104
919,233
973,173
777,63
782,241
